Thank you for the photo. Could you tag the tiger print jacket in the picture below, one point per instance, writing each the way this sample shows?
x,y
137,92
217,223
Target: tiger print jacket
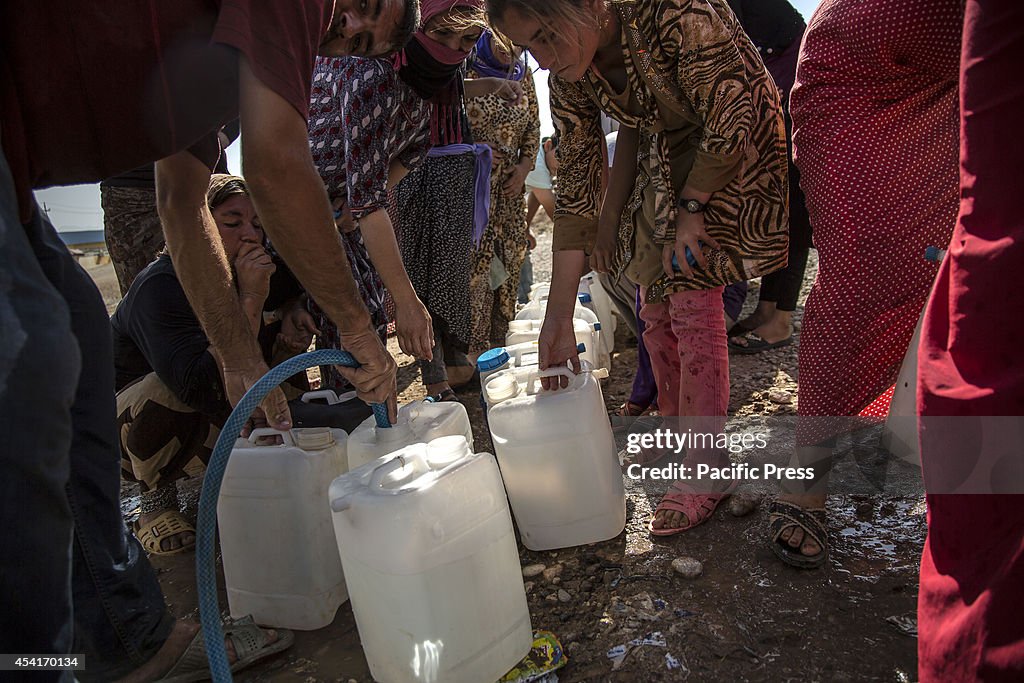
x,y
712,116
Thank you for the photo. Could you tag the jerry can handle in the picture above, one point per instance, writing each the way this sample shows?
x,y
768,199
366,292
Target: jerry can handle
x,y
518,354
381,471
327,394
550,372
286,435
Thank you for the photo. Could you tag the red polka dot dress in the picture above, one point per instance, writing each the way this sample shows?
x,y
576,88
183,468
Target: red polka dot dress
x,y
875,132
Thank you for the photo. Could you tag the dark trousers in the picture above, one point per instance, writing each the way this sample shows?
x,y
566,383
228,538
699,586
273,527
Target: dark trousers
x,y
72,579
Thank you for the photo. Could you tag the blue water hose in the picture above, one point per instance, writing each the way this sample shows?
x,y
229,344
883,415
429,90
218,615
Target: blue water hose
x,y
206,523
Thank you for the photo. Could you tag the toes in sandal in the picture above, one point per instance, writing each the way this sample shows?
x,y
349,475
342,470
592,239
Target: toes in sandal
x,y
783,515
698,507
250,642
166,525
628,409
628,414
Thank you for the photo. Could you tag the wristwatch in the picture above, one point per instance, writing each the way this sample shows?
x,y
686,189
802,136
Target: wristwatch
x,y
691,205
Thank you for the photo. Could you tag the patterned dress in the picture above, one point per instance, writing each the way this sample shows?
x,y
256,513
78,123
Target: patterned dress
x,y
876,139
698,91
515,132
362,116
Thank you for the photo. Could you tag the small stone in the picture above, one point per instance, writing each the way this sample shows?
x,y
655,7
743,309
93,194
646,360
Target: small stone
x,y
586,586
556,580
528,586
553,572
607,578
780,396
563,595
552,598
687,567
531,570
742,505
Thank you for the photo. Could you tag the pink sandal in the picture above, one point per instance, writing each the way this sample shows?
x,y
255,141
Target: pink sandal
x,y
682,497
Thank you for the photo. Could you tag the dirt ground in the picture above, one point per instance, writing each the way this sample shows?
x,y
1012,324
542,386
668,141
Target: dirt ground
x,y
747,617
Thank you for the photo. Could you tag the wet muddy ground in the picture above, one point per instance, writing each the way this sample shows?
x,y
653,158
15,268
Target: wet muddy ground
x,y
747,617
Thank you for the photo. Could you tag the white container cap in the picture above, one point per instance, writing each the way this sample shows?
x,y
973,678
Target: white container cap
x,y
313,438
445,450
502,387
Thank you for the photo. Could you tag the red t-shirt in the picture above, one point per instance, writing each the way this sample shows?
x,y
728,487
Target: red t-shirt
x,y
90,89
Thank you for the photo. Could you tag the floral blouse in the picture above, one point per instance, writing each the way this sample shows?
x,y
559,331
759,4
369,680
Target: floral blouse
x,y
361,117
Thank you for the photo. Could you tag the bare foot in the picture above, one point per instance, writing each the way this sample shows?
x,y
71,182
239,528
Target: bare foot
x,y
173,648
793,535
184,539
761,315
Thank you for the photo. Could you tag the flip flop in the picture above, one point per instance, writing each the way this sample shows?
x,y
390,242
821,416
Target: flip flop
x,y
168,524
249,641
631,415
696,506
756,344
781,516
739,329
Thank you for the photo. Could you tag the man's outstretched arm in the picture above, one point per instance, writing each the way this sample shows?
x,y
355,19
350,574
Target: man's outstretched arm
x,y
203,270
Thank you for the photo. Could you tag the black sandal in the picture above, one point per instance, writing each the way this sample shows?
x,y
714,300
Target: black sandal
x,y
783,515
446,396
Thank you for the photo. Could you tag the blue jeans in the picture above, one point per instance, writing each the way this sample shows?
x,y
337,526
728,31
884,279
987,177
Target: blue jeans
x,y
72,579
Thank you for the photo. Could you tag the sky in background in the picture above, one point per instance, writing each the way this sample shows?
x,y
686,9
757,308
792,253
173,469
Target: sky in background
x,y
78,208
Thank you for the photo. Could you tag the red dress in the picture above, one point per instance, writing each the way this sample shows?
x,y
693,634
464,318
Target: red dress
x,y
971,600
875,131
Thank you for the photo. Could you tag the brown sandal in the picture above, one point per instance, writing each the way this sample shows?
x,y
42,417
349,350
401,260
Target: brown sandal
x,y
170,523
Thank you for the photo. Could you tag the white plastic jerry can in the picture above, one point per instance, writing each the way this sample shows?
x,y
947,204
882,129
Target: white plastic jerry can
x,y
495,360
524,331
536,310
276,535
602,306
418,422
432,565
558,459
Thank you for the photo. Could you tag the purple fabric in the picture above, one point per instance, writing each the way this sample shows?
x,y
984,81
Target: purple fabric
x,y
486,64
782,68
481,185
645,388
733,298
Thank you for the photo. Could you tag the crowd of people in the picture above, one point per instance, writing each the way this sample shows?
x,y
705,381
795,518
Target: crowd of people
x,y
393,165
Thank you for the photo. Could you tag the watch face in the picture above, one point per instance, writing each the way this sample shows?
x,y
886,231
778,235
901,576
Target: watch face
x,y
693,206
